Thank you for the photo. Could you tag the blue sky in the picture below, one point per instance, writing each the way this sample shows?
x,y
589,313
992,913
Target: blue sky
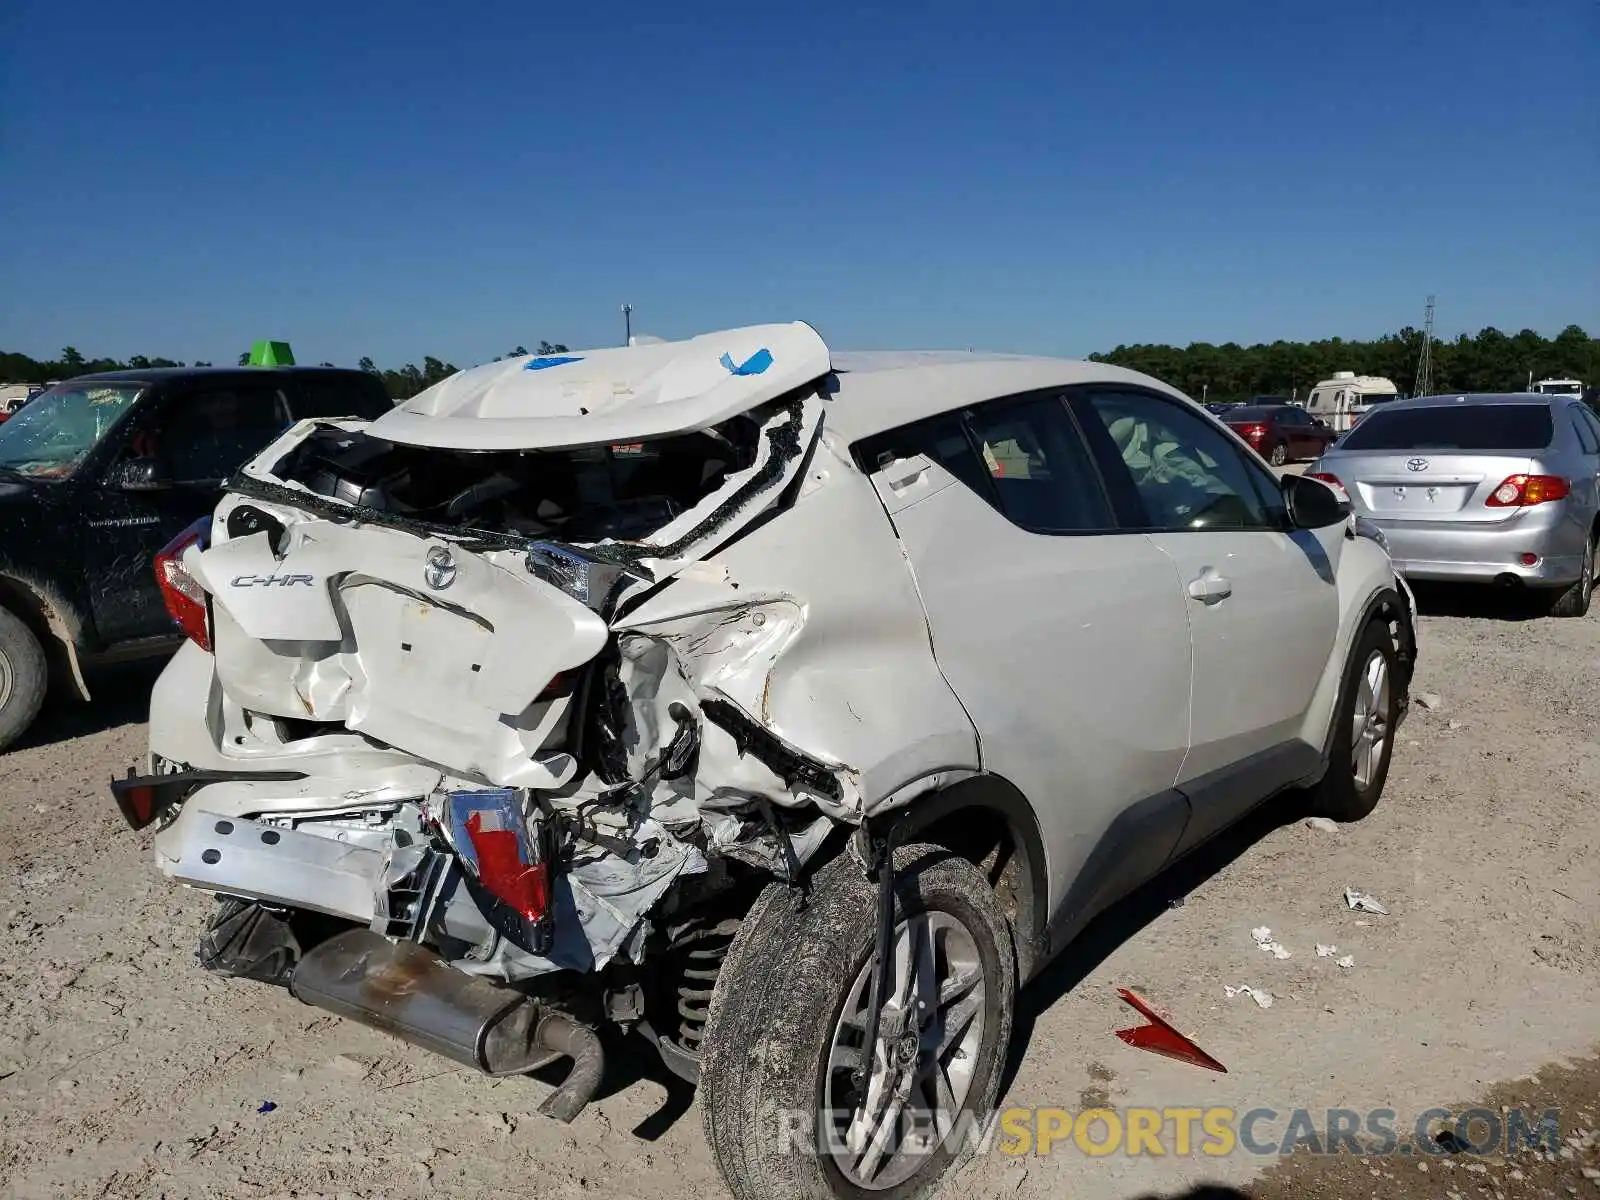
x,y
412,178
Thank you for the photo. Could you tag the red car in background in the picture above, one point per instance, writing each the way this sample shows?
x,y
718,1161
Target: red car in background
x,y
1280,433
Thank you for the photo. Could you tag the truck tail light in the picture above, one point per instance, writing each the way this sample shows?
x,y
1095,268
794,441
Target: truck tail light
x,y
1523,491
181,592
1332,481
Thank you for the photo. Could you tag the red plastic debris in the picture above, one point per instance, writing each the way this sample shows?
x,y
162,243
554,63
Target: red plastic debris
x,y
502,870
1159,1037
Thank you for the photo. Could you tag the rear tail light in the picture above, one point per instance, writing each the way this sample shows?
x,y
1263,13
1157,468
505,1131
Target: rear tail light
x,y
510,862
181,592
1523,491
1251,432
1332,481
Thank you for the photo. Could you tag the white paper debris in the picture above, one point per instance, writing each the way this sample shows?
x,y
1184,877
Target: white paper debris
x,y
1364,924
1431,701
1322,824
1262,937
1362,902
1261,996
1348,961
1326,951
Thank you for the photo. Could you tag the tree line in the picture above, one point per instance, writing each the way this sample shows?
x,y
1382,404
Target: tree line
x,y
1490,361
400,384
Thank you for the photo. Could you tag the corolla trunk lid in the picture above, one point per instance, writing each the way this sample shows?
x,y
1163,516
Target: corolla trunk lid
x,y
1417,486
439,599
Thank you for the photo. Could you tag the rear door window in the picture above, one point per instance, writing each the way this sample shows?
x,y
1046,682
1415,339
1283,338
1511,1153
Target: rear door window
x,y
208,434
1466,427
1040,473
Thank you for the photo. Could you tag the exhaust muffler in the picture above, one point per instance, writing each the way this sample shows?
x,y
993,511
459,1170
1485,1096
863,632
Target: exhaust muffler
x,y
409,991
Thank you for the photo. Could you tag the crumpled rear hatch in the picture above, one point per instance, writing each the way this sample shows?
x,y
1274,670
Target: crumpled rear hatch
x,y
441,600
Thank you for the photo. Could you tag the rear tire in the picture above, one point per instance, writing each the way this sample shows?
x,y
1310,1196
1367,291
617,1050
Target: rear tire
x,y
775,1076
1280,454
1574,602
1363,740
24,675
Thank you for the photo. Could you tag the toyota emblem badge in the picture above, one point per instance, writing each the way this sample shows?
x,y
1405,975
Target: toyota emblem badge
x,y
1416,464
440,570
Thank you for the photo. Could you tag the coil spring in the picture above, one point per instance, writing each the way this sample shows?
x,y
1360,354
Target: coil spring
x,y
699,945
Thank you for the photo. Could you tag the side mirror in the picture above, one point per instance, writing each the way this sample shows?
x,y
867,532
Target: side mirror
x,y
1312,504
140,475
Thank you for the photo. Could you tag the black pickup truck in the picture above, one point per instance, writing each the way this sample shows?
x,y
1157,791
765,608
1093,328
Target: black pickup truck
x,y
97,474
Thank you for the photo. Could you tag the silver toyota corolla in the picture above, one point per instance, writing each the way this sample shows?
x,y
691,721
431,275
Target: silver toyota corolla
x,y
1487,488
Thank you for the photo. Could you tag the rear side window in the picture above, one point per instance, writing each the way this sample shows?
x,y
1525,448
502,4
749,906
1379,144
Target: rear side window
x,y
1023,457
350,395
1040,473
1466,427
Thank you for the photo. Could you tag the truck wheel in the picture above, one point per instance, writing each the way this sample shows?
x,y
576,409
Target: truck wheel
x,y
23,675
790,1107
1280,454
1574,602
1363,741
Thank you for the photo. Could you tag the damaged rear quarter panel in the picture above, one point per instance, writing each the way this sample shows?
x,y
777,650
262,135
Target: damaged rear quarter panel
x,y
818,634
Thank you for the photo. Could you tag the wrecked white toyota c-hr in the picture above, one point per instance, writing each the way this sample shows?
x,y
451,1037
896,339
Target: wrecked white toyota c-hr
x,y
781,708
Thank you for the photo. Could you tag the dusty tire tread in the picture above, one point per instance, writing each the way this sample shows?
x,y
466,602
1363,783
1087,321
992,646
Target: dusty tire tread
x,y
1337,797
767,1012
30,677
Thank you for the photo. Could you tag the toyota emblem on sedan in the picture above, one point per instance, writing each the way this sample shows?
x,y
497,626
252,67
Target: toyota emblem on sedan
x,y
1416,464
440,570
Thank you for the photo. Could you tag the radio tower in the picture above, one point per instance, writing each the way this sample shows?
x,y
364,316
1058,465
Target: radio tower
x,y
1424,384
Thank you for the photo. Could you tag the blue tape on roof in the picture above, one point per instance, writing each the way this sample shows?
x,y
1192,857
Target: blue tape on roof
x,y
754,365
540,364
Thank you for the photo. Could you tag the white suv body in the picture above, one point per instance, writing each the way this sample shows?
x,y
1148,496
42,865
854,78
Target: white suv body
x,y
687,620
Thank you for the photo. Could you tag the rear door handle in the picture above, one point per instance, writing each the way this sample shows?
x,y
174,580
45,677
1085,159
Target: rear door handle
x,y
1210,587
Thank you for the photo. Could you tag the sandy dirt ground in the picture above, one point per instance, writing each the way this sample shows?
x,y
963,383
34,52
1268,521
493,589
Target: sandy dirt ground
x,y
127,1071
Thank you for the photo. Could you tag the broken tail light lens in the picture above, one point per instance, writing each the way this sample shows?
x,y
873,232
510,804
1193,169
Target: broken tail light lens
x,y
588,580
492,839
1524,491
1332,481
181,592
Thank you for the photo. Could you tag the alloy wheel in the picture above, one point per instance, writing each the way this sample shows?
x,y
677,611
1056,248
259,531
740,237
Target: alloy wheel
x,y
1369,723
880,1122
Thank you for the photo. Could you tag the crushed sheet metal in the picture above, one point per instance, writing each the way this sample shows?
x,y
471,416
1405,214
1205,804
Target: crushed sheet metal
x,y
600,903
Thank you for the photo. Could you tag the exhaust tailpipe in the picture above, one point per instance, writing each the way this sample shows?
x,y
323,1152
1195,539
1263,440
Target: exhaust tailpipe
x,y
409,991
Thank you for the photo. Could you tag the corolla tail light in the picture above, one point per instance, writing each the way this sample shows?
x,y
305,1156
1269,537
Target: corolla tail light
x,y
1332,481
1524,491
181,592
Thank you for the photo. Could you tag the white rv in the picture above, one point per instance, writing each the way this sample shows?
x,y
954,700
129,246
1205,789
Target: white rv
x,y
1558,387
1344,399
